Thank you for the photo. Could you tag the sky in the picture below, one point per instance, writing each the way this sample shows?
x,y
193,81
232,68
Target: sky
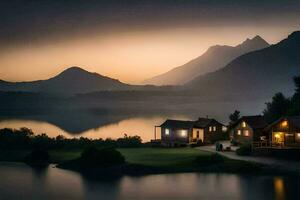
x,y
129,40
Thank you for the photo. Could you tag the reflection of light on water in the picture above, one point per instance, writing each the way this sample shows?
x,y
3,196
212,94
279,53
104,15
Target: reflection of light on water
x,y
279,188
142,126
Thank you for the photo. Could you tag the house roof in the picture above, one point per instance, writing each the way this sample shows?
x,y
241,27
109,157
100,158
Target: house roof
x,y
255,122
200,123
178,123
295,120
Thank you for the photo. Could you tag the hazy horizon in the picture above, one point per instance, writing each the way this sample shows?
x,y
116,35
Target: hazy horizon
x,y
132,41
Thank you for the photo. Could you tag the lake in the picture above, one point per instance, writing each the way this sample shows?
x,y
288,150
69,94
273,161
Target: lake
x,y
92,126
19,181
114,123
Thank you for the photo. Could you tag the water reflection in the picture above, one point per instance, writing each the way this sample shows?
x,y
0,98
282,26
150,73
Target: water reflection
x,y
279,188
19,181
142,126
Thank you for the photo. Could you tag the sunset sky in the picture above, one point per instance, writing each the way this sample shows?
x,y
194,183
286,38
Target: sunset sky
x,y
129,40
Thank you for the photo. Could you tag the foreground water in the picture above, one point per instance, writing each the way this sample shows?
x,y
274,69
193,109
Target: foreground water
x,y
19,181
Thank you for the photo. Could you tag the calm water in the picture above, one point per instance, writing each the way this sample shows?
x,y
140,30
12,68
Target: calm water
x,y
94,127
18,181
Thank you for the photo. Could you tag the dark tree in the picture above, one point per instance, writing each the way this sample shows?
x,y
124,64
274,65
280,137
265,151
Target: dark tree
x,y
295,101
277,108
234,117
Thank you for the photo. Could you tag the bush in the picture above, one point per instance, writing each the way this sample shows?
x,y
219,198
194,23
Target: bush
x,y
244,150
95,157
210,159
38,157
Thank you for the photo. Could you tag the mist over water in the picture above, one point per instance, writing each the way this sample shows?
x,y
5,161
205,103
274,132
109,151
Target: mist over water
x,y
114,123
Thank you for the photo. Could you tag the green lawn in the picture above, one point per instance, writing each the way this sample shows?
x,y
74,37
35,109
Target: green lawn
x,y
166,159
162,157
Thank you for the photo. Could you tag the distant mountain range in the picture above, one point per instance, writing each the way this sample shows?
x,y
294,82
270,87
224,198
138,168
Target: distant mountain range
x,y
213,59
258,74
71,81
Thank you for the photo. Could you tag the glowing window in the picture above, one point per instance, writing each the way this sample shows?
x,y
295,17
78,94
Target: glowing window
x,y
284,123
224,128
214,128
298,135
167,131
239,132
183,133
210,129
244,124
246,133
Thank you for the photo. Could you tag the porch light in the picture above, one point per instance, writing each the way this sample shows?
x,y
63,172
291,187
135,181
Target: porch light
x,y
284,123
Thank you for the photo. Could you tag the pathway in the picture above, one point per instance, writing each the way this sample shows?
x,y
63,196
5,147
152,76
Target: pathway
x,y
282,164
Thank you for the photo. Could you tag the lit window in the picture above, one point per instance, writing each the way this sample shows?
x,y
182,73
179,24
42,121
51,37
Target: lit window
x,y
210,129
167,131
246,133
243,124
284,123
224,128
239,132
214,128
183,133
298,135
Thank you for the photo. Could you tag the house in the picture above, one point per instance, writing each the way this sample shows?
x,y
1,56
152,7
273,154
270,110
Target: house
x,y
178,132
285,132
249,129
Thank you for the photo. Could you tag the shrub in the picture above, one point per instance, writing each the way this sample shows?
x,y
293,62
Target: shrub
x,y
210,159
244,150
38,157
198,144
95,157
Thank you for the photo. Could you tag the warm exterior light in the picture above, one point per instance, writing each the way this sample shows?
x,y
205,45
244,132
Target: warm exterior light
x,y
183,133
243,124
284,123
167,131
277,135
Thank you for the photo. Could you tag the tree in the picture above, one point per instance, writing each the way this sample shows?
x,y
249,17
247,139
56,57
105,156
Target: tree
x,y
234,117
295,101
277,108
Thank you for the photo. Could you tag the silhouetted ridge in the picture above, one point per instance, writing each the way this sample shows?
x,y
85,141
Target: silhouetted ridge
x,y
214,58
258,73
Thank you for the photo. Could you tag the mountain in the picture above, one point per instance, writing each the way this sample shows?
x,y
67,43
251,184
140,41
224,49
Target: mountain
x,y
258,74
71,81
214,58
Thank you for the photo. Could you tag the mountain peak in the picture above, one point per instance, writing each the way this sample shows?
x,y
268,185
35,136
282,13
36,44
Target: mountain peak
x,y
74,69
256,42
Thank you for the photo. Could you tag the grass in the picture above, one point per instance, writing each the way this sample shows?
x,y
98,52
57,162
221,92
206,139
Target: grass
x,y
157,160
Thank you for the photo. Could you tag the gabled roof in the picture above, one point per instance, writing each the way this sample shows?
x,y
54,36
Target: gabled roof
x,y
295,120
255,122
200,123
204,122
178,123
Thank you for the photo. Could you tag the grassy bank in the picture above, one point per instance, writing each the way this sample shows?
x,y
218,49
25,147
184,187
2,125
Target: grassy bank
x,y
157,160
